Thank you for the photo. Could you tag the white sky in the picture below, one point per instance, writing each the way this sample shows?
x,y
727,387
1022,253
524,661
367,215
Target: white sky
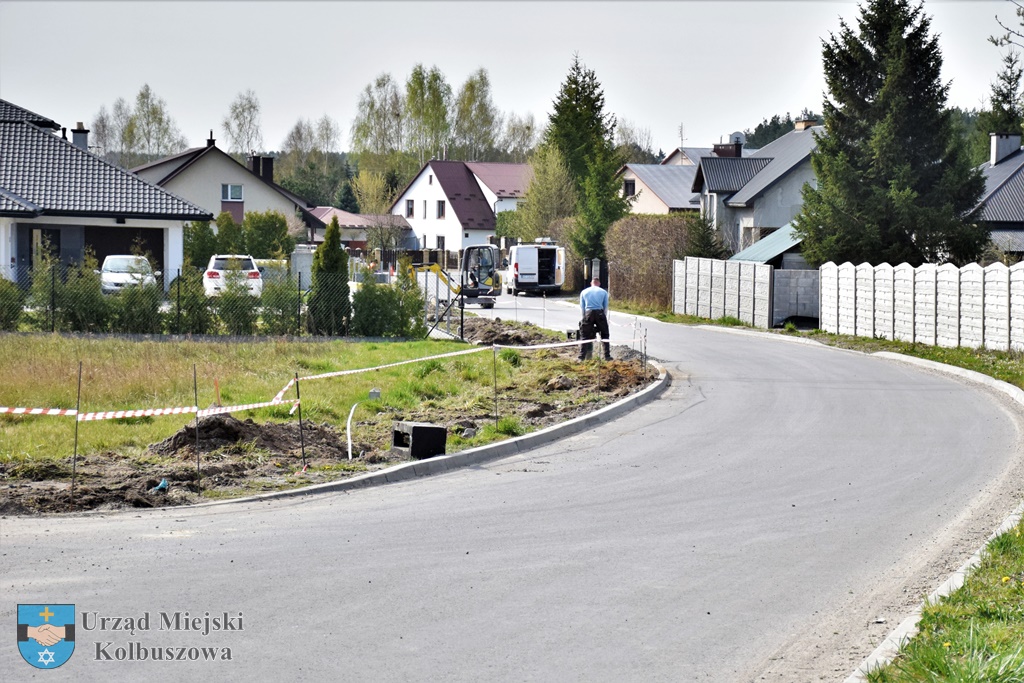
x,y
714,67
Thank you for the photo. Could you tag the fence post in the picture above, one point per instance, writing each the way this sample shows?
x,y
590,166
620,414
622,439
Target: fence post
x,y
298,309
53,297
178,326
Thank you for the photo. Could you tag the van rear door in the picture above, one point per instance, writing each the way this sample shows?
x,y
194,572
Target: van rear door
x,y
526,263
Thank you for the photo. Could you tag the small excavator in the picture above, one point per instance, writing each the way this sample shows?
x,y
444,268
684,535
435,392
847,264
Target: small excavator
x,y
477,280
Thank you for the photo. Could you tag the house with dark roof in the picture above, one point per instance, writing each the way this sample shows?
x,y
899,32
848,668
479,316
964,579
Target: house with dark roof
x,y
54,193
452,204
214,180
1002,204
750,197
657,188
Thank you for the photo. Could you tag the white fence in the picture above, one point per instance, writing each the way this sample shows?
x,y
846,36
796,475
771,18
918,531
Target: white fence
x,y
714,289
938,305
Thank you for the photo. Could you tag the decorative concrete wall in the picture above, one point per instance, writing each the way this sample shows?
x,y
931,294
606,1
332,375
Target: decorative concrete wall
x,y
712,289
937,305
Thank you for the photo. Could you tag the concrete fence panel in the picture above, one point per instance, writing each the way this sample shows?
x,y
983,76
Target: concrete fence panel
x,y
847,299
1017,307
903,302
710,288
732,288
947,306
972,306
717,288
997,307
828,315
864,300
924,304
883,306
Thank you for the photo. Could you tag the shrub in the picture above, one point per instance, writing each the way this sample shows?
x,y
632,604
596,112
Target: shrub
x,y
136,310
280,302
642,248
329,311
511,356
378,309
411,301
190,309
11,300
237,309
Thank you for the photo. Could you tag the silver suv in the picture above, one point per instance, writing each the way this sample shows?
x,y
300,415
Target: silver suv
x,y
120,271
224,268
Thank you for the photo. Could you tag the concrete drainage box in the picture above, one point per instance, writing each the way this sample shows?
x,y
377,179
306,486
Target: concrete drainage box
x,y
418,440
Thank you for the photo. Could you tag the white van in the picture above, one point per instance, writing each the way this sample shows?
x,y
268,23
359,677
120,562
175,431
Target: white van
x,y
537,267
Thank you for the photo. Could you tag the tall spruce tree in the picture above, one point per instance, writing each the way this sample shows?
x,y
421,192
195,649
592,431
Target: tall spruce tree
x,y
894,180
584,134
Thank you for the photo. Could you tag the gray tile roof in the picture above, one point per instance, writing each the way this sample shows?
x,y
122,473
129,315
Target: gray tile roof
x,y
1003,200
786,153
58,178
1008,240
12,113
725,175
670,184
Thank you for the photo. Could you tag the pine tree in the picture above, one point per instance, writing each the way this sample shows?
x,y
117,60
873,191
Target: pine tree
x,y
894,180
1006,110
330,310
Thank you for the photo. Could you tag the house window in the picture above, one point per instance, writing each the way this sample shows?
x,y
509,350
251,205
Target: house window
x,y
424,208
440,242
409,210
430,180
231,193
629,188
440,208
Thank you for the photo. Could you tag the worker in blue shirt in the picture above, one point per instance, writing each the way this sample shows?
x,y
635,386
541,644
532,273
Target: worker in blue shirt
x,y
594,307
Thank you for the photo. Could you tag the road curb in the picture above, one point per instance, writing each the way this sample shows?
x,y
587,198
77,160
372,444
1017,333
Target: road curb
x,y
907,629
472,456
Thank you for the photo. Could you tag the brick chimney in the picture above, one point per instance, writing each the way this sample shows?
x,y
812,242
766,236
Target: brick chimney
x,y
80,137
1003,145
804,124
262,166
210,142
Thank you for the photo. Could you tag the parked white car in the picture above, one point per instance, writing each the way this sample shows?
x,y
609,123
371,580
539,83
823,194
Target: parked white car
x,y
225,267
123,270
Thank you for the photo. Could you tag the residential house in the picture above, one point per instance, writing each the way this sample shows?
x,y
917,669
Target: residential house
x,y
655,188
214,180
451,205
750,197
55,192
354,227
1002,204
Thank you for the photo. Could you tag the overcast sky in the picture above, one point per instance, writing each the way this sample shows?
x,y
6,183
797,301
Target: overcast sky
x,y
714,67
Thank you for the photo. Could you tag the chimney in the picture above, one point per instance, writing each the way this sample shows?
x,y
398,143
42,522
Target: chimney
x,y
1003,145
210,142
729,149
254,163
804,124
267,169
80,137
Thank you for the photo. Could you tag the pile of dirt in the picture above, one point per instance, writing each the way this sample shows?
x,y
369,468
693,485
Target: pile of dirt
x,y
487,331
218,432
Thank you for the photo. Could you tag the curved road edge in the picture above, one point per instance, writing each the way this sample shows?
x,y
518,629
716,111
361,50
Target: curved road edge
x,y
472,456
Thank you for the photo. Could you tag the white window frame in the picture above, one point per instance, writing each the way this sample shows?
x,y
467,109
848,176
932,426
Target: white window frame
x,y
440,209
226,192
410,208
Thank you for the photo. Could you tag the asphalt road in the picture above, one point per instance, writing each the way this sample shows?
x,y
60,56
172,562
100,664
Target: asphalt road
x,y
686,541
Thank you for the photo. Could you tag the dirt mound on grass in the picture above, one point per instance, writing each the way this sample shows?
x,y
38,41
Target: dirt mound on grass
x,y
225,432
486,331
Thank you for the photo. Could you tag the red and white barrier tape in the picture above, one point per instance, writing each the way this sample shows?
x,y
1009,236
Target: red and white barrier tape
x,y
220,410
555,345
149,412
339,373
38,411
280,394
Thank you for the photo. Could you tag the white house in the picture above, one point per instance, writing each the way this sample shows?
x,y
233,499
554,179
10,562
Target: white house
x,y
54,191
451,205
212,179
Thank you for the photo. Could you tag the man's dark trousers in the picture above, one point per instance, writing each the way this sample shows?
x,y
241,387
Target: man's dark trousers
x,y
595,322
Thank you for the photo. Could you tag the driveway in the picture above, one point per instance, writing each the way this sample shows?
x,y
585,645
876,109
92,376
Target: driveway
x,y
777,500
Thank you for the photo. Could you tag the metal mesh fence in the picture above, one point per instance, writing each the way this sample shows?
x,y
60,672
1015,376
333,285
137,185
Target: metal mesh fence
x,y
74,298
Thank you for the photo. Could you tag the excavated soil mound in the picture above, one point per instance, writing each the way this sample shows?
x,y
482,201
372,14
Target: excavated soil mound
x,y
487,331
223,431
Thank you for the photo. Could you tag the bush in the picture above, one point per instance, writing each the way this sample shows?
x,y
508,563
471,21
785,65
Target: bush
x,y
411,301
642,248
136,310
377,309
237,309
190,309
329,311
81,305
280,303
11,300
